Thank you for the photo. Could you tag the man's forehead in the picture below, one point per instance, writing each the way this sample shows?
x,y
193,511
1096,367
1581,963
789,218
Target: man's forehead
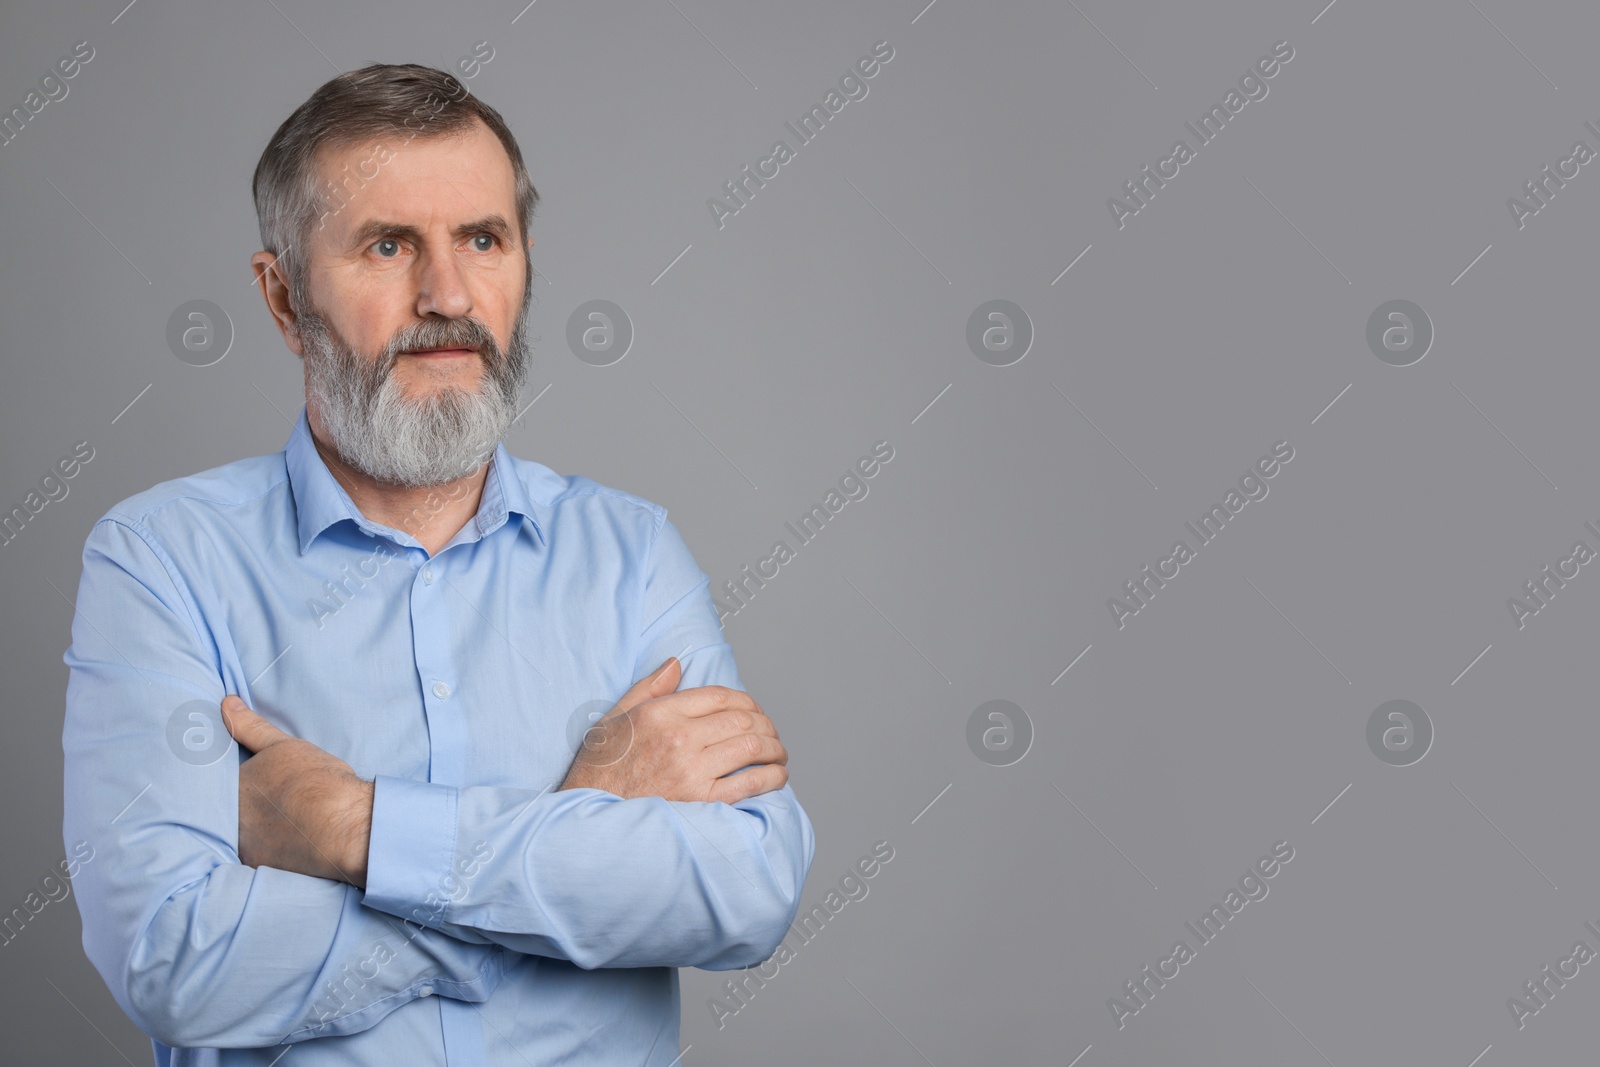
x,y
449,179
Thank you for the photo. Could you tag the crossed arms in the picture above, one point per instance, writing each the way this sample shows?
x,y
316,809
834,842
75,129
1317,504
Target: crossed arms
x,y
624,866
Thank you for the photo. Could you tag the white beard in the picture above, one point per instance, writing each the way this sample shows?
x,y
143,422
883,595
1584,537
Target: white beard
x,y
416,443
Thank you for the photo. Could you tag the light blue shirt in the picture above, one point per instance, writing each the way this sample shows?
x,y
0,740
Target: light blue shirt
x,y
504,921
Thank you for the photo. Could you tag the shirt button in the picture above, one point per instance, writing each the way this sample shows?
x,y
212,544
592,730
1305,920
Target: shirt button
x,y
425,991
427,576
441,690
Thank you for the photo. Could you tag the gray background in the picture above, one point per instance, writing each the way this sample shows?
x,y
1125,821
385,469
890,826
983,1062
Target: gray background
x,y
827,315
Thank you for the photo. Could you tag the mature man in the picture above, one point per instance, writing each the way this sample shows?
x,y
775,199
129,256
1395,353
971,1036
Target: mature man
x,y
429,857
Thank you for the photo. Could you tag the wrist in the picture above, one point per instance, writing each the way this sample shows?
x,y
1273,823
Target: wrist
x,y
357,833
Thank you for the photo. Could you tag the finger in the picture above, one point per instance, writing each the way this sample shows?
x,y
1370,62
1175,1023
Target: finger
x,y
249,729
706,699
658,683
721,725
744,751
746,784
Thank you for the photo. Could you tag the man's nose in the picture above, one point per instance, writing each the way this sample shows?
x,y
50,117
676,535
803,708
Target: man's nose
x,y
443,288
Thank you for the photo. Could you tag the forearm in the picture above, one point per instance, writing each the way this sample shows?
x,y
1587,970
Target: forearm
x,y
217,966
586,876
201,951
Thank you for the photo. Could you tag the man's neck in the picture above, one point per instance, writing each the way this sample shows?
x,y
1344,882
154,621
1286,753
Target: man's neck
x,y
432,514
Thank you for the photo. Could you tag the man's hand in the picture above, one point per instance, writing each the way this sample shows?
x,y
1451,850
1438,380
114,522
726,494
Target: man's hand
x,y
658,742
300,809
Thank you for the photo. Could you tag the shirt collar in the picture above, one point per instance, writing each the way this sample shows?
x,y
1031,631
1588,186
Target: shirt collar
x,y
320,501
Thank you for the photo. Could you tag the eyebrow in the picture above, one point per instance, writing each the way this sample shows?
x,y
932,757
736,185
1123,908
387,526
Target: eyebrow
x,y
376,228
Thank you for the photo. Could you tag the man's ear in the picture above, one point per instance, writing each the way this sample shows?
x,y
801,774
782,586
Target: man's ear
x,y
274,286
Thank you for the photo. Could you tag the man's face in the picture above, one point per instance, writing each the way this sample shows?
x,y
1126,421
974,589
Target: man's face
x,y
414,343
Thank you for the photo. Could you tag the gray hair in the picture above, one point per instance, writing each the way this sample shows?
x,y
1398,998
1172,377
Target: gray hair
x,y
405,100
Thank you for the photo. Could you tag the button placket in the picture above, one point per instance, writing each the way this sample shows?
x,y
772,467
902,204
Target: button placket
x,y
431,647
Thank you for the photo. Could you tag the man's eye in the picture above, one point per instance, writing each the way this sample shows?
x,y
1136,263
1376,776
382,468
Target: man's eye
x,y
478,242
388,248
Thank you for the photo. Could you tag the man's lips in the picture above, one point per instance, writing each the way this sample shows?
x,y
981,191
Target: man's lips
x,y
433,352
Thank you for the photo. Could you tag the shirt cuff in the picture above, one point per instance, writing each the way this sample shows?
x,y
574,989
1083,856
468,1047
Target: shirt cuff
x,y
412,848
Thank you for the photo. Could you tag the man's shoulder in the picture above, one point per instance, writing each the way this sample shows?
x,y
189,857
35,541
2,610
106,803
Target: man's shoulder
x,y
229,486
576,491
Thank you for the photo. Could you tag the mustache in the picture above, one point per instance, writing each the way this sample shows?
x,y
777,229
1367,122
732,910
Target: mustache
x,y
442,333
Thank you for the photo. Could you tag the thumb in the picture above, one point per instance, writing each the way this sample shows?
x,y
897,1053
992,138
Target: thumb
x,y
249,729
663,680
